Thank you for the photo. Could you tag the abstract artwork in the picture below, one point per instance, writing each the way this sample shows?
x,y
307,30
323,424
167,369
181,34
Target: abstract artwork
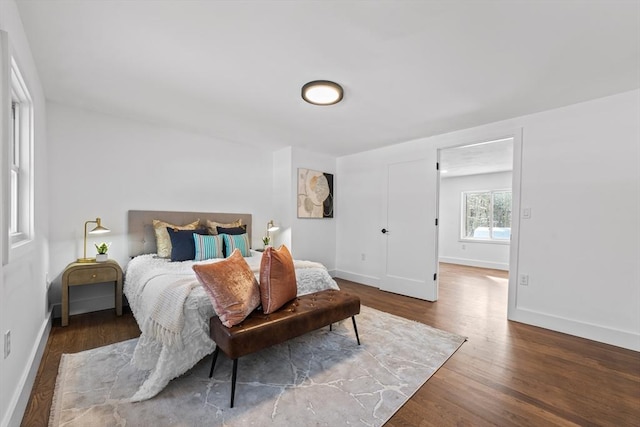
x,y
315,194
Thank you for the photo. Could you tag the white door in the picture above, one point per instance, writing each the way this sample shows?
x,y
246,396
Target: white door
x,y
411,231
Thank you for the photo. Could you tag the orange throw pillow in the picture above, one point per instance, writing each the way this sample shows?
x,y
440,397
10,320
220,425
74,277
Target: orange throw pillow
x,y
232,288
277,278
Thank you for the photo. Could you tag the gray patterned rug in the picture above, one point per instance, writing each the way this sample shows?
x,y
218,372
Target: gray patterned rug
x,y
320,379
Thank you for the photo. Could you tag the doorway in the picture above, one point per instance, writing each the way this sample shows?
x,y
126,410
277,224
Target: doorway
x,y
475,195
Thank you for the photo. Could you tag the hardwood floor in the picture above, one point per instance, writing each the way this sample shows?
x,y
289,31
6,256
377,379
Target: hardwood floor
x,y
507,373
85,331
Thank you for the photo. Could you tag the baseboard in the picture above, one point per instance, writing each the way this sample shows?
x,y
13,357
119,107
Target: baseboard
x,y
475,263
23,393
616,337
81,306
358,278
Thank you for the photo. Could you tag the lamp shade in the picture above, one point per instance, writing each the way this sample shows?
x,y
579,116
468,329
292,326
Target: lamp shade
x,y
99,229
271,226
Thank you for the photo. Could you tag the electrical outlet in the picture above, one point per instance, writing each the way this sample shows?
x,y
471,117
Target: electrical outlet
x,y
363,257
524,280
464,247
7,344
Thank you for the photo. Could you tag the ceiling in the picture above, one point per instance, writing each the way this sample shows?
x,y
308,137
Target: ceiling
x,y
475,159
233,70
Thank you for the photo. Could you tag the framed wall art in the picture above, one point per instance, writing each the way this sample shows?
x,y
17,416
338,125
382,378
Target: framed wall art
x,y
315,194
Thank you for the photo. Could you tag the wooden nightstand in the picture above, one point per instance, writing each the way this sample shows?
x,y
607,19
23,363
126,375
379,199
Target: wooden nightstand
x,y
83,273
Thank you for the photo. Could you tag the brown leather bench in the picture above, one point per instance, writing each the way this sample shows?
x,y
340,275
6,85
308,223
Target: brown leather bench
x,y
297,317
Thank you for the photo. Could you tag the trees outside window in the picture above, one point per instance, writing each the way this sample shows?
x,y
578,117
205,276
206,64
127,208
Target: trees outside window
x,y
486,215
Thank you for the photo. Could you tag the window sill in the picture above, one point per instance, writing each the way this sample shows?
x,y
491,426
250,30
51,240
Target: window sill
x,y
19,249
491,242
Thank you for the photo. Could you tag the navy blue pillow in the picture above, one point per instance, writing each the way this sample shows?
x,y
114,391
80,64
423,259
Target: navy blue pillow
x,y
233,231
183,247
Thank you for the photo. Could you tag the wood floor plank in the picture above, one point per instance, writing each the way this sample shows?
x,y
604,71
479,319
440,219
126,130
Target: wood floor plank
x,y
84,332
507,373
528,373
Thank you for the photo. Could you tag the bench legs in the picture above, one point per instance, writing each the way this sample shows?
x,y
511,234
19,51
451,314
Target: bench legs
x,y
355,328
215,357
233,375
235,361
233,380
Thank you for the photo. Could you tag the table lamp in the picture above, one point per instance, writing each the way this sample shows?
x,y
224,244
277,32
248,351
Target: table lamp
x,y
271,226
99,229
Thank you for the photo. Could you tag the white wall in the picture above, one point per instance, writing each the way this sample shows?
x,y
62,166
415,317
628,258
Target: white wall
x,y
580,176
314,238
307,238
23,304
581,179
103,166
283,188
473,253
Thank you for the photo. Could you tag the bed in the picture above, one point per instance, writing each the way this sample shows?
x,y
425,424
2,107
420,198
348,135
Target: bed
x,y
171,307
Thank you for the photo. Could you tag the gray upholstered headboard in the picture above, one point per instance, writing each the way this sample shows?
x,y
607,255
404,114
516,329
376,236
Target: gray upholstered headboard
x,y
142,238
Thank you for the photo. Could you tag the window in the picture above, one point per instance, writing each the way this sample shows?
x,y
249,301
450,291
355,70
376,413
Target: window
x,y
486,215
20,191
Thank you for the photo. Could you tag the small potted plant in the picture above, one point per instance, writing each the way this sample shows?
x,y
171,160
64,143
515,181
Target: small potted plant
x,y
102,249
266,240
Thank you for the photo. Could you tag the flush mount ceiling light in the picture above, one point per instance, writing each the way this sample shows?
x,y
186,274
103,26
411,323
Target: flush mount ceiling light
x,y
322,92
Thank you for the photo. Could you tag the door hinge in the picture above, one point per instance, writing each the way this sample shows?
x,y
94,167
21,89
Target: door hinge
x,y
436,222
437,166
435,276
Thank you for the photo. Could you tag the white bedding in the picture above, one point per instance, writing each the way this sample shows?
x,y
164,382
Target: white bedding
x,y
149,284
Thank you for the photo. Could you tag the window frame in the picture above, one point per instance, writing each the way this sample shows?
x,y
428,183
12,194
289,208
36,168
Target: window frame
x,y
20,215
463,217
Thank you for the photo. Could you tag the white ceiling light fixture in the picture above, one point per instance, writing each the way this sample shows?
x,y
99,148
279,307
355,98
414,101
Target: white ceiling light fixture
x,y
322,92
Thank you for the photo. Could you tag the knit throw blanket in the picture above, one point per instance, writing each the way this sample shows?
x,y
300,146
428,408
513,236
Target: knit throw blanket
x,y
166,320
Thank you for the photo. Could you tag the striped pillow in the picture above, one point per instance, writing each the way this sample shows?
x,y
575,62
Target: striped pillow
x,y
207,247
240,241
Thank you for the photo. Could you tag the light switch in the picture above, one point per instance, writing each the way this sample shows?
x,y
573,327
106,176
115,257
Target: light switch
x,y
526,213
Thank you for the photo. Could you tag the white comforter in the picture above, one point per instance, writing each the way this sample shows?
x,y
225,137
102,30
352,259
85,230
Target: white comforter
x,y
148,282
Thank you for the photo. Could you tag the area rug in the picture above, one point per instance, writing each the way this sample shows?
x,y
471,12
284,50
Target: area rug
x,y
323,378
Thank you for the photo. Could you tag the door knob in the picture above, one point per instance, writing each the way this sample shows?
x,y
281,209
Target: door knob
x,y
384,231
